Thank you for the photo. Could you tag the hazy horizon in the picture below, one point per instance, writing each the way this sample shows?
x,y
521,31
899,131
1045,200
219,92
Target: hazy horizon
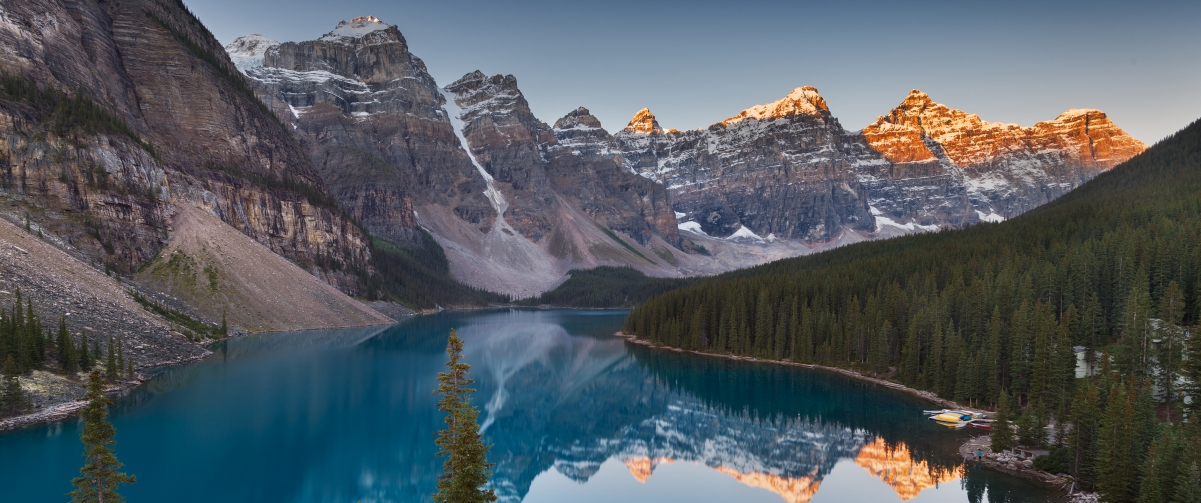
x,y
697,63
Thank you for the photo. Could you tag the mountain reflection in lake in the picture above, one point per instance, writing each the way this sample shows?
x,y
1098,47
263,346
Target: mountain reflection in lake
x,y
573,413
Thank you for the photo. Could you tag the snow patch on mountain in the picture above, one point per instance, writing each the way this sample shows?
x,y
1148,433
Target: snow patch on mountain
x,y
882,221
694,227
355,28
744,233
247,51
801,101
991,217
455,113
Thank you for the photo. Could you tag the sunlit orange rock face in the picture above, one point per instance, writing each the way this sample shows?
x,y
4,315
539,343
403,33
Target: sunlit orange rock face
x,y
793,490
899,471
641,468
644,122
1087,137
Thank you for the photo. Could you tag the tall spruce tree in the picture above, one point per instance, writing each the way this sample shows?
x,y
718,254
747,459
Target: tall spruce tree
x,y
1188,484
13,400
466,470
1191,368
110,366
1160,470
1171,341
1002,431
1117,468
85,360
100,476
66,349
1082,439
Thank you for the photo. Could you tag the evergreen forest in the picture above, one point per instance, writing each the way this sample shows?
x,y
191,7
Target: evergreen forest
x,y
997,315
27,345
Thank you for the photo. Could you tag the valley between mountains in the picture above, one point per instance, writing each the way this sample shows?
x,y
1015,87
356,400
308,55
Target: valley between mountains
x,y
315,184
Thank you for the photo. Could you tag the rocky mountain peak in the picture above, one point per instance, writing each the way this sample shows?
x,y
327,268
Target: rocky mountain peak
x,y
1086,136
364,49
247,51
916,97
356,28
644,123
801,101
579,118
477,81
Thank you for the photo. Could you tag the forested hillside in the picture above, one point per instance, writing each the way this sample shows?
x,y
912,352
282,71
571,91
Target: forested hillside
x,y
996,309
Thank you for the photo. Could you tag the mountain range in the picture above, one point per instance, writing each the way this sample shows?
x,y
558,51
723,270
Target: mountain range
x,y
516,203
139,146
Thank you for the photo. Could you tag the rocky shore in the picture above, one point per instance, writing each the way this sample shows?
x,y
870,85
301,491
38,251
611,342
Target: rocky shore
x,y
56,397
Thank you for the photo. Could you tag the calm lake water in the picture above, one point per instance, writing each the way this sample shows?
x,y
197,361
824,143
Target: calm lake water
x,y
573,414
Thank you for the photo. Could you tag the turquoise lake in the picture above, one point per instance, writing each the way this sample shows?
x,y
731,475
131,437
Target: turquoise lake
x,y
573,414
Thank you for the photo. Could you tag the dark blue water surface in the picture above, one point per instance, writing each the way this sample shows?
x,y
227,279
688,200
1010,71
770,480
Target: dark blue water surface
x,y
573,414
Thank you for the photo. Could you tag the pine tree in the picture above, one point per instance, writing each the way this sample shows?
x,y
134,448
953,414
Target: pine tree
x,y
1168,353
466,469
1030,426
1082,440
1191,368
1188,484
1160,469
99,476
1002,432
85,360
120,357
1092,328
13,400
1116,463
66,349
110,366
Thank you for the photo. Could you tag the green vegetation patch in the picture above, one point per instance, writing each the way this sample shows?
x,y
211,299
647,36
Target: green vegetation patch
x,y
419,277
314,194
65,113
191,327
605,287
627,246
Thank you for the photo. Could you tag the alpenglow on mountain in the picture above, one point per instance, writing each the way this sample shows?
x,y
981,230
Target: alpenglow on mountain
x,y
516,203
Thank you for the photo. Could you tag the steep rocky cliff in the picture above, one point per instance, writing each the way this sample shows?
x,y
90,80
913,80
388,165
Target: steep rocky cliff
x,y
370,118
513,209
176,123
118,115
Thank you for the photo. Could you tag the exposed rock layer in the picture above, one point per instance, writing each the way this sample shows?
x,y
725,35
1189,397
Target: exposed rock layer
x,y
151,64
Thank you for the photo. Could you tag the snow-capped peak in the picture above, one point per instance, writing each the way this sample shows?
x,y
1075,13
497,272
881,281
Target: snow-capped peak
x,y
356,28
801,101
247,51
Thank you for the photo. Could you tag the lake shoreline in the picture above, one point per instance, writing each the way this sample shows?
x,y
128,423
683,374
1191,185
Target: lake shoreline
x,y
1037,476
925,395
62,410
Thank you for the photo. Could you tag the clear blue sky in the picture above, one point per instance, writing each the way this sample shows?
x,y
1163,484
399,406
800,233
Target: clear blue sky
x,y
695,63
